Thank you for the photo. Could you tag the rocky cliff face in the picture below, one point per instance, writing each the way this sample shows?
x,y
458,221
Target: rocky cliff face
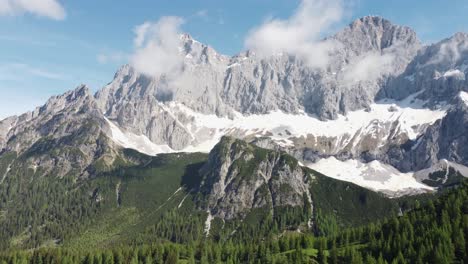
x,y
239,177
63,137
211,83
438,72
381,93
217,95
444,140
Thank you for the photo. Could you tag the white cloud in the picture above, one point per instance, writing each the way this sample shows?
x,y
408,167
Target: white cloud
x,y
46,8
27,40
451,50
202,13
300,34
115,57
157,47
140,33
368,67
18,71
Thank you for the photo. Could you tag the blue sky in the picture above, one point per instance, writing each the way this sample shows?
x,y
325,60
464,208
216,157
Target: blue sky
x,y
52,49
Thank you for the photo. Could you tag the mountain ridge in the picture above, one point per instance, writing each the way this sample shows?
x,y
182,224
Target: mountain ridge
x,y
216,95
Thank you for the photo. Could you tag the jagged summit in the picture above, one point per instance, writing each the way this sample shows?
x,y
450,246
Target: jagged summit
x,y
248,96
374,21
438,72
459,36
374,33
76,98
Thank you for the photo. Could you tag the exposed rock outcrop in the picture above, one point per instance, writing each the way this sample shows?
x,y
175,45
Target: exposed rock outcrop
x,y
369,51
239,177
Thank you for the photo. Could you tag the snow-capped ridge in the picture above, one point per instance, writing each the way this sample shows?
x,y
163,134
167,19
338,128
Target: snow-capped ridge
x,y
464,97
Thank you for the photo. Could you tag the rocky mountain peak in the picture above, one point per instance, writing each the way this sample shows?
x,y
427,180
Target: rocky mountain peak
x,y
439,70
185,37
124,70
197,53
460,36
371,23
374,33
449,52
462,100
75,99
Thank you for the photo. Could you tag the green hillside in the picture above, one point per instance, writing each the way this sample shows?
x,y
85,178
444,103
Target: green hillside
x,y
139,207
139,199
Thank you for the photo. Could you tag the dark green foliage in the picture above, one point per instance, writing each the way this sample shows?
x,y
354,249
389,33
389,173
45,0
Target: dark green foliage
x,y
142,209
439,178
433,233
341,204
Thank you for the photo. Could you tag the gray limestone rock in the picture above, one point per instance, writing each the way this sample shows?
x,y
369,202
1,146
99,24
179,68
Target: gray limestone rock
x,y
239,177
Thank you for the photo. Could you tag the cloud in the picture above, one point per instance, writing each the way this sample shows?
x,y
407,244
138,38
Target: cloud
x,y
27,40
368,67
115,57
45,8
300,34
18,71
221,21
157,47
202,13
452,49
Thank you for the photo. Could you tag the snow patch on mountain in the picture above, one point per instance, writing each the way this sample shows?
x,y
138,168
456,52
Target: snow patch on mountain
x,y
454,73
374,175
464,97
138,142
442,165
6,173
209,218
382,177
206,129
281,126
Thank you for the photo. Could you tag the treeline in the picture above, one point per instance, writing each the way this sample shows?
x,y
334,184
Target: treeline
x,y
433,233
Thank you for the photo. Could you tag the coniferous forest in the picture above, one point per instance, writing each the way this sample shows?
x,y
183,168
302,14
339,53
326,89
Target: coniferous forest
x,y
254,132
434,231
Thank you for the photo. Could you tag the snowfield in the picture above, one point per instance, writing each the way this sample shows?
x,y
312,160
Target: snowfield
x,y
282,127
206,130
137,142
409,114
374,175
464,97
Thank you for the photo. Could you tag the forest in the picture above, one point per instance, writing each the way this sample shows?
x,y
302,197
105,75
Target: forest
x,y
432,232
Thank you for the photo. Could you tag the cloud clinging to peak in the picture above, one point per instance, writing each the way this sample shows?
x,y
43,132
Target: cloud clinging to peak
x,y
157,46
45,8
299,35
368,67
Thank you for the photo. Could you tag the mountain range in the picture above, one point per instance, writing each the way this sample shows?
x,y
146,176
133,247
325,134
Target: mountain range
x,y
387,113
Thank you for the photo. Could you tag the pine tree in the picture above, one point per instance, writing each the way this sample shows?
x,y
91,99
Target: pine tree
x,y
334,253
